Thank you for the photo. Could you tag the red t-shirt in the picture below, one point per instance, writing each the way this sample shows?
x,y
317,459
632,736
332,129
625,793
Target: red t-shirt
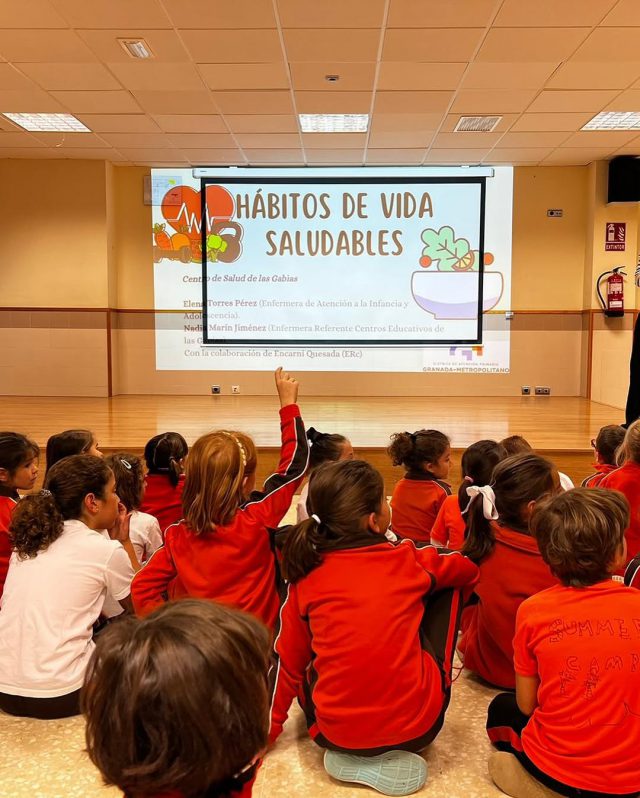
x,y
6,508
163,500
512,572
351,628
626,479
593,481
449,526
584,646
415,504
233,564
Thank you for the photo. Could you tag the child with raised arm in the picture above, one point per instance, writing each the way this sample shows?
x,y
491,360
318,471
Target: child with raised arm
x,y
573,725
223,550
368,632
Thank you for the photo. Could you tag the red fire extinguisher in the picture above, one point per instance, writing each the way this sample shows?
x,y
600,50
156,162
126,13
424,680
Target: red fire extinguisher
x,y
614,306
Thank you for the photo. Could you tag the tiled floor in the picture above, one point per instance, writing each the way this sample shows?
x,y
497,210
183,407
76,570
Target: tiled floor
x,y
45,759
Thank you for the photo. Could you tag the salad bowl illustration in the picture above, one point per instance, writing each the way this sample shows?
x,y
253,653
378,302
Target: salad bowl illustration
x,y
450,290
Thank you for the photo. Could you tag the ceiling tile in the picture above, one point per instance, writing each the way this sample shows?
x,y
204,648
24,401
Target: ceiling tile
x,y
191,123
113,14
108,102
508,75
624,12
104,154
396,156
431,44
30,15
331,45
262,123
338,141
407,139
551,122
445,155
331,14
12,80
264,156
492,101
515,154
165,44
19,139
595,139
398,102
220,16
150,154
137,140
439,14
468,141
119,123
406,122
327,102
398,75
627,101
66,141
530,139
43,46
151,76
451,120
575,156
73,77
253,102
177,102
563,101
530,44
34,102
212,156
551,13
194,141
245,76
353,76
355,156
268,141
233,46
606,44
595,75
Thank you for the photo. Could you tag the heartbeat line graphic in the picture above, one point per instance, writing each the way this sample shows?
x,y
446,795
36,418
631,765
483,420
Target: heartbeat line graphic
x,y
192,220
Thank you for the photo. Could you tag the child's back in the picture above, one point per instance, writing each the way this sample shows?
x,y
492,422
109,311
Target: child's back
x,y
626,479
164,455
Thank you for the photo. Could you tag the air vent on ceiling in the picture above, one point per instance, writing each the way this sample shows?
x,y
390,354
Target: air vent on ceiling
x,y
136,48
477,124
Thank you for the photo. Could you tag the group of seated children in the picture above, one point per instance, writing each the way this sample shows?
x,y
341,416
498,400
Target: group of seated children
x,y
356,610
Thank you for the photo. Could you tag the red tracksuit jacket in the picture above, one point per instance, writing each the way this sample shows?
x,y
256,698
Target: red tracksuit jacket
x,y
233,564
350,636
415,503
7,503
163,500
626,479
593,481
449,527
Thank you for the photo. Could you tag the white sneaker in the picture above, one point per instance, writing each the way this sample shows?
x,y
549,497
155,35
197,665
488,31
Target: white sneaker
x,y
393,773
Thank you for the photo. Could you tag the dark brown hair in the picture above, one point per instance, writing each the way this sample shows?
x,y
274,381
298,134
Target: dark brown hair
x,y
326,447
178,700
163,454
477,464
580,532
609,440
413,450
516,481
129,473
516,444
341,495
64,444
38,520
16,450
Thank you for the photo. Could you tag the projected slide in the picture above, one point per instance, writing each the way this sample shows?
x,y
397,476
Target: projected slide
x,y
348,269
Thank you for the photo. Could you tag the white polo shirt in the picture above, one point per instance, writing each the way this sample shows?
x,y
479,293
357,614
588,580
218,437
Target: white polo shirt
x,y
145,535
48,608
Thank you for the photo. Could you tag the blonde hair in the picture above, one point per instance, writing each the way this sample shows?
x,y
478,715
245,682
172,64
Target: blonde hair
x,y
630,449
214,474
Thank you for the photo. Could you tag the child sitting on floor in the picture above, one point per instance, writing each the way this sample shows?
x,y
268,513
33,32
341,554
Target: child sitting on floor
x,y
606,447
325,447
418,496
164,455
511,568
70,442
177,704
573,725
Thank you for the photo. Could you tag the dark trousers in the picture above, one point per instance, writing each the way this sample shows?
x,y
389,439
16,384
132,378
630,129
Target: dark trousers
x,y
64,706
505,723
632,411
438,635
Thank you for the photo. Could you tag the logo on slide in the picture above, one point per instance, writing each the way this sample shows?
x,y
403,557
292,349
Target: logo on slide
x,y
181,210
450,291
466,352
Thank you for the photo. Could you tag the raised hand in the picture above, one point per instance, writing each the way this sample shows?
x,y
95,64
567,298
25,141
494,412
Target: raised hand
x,y
287,388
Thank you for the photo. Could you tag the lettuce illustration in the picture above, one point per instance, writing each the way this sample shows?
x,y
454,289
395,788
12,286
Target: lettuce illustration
x,y
450,254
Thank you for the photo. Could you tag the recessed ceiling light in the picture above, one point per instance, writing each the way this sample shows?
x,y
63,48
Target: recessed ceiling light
x,y
476,124
614,120
334,123
48,123
136,48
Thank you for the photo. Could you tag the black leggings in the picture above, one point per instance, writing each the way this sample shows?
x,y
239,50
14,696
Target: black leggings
x,y
64,706
505,723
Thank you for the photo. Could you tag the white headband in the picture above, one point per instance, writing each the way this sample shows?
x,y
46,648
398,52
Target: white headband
x,y
488,500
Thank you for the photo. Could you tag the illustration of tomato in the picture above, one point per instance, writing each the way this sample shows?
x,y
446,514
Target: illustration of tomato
x,y
425,261
488,258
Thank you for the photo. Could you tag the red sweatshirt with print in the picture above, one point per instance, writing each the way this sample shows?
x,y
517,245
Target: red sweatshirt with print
x,y
351,639
233,564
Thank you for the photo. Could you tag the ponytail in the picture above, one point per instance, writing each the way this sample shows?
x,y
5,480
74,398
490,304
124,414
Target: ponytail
x,y
415,449
477,464
300,553
480,539
163,454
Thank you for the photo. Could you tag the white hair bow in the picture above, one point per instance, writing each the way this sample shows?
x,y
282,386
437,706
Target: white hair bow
x,y
488,500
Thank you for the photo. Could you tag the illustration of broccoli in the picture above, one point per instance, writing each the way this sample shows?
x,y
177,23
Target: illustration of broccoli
x,y
215,245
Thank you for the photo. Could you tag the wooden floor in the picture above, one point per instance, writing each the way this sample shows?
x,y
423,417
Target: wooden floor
x,y
559,427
